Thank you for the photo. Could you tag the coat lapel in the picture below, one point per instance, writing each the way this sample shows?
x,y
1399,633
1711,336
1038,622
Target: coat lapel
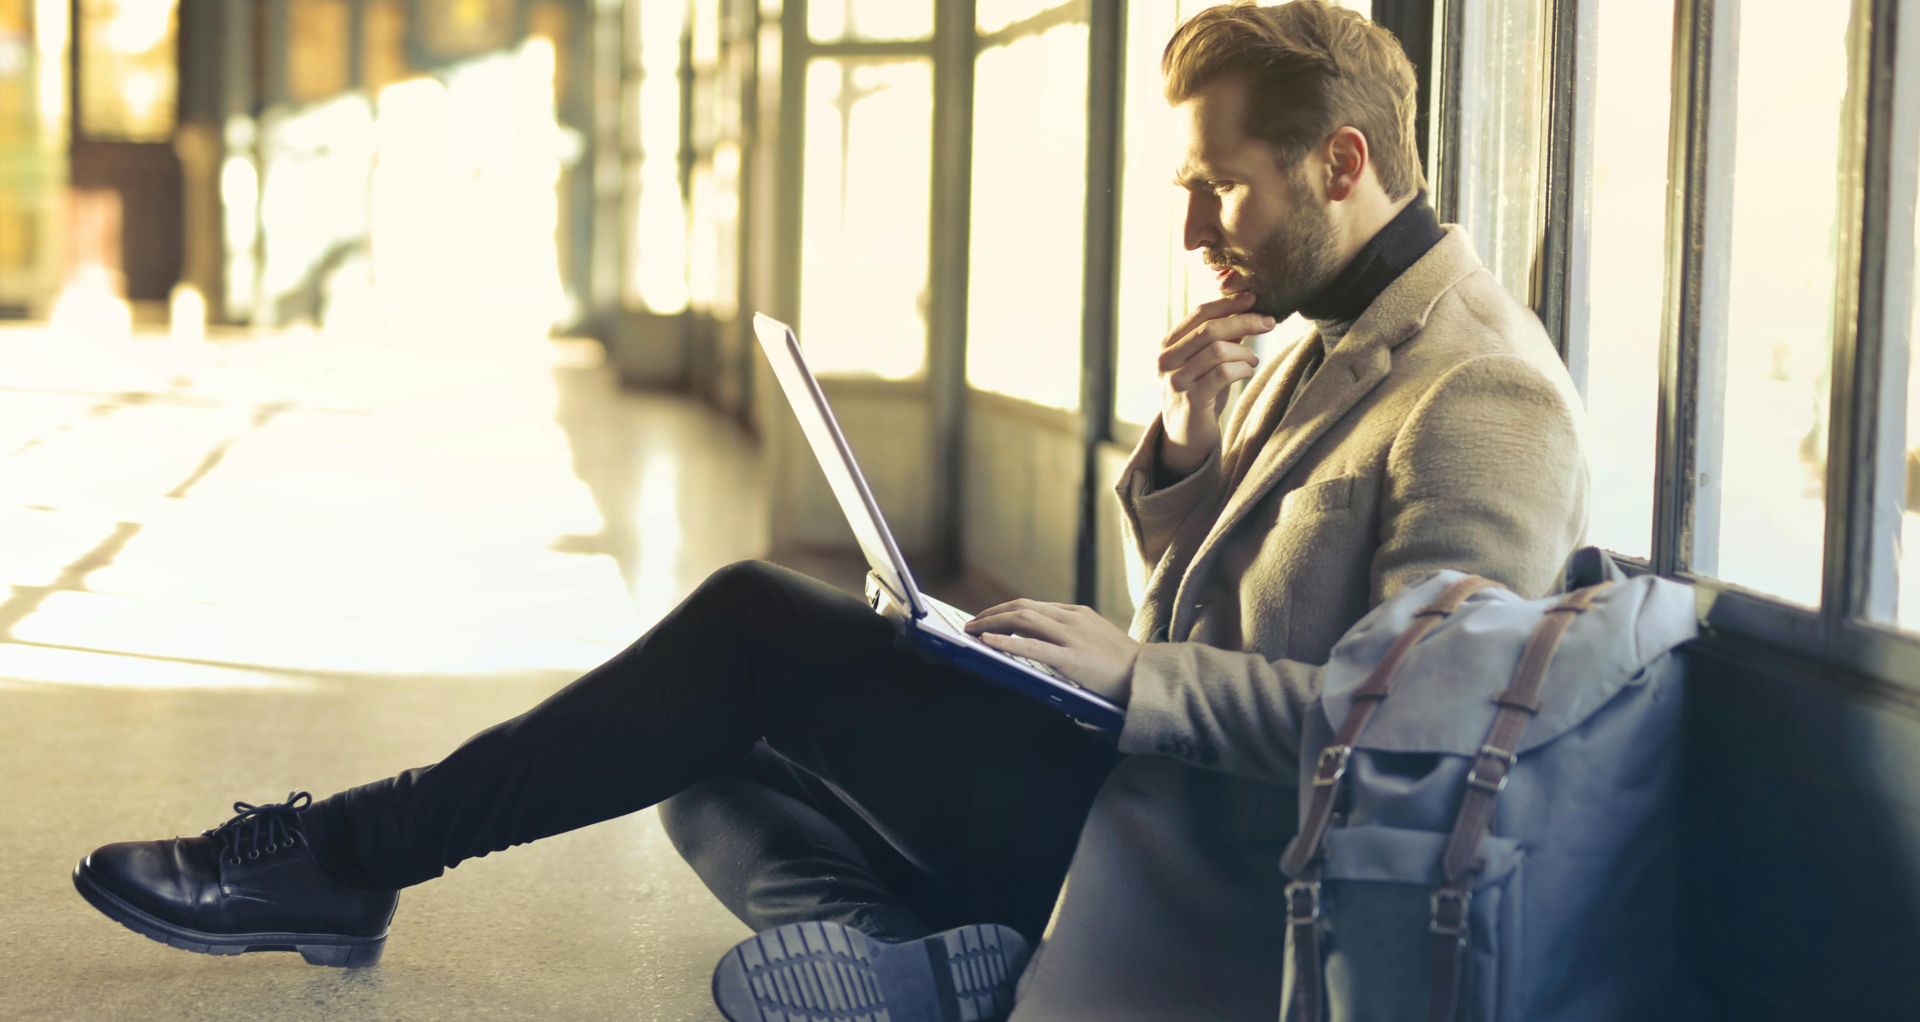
x,y
1262,404
1358,363
1347,376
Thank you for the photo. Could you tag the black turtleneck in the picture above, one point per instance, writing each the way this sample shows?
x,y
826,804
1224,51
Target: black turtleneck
x,y
1379,263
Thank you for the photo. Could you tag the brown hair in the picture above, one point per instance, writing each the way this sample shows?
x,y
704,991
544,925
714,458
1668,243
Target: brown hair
x,y
1310,68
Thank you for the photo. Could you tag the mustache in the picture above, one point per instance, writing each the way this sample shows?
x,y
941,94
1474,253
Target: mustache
x,y
1217,261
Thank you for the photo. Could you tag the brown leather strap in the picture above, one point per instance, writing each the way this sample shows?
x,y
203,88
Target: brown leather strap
x,y
1302,861
1448,927
1485,781
1303,916
1332,765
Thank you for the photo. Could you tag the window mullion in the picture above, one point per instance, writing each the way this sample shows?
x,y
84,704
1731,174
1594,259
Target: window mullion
x,y
947,270
1563,285
1699,236
1443,155
1866,462
789,190
1106,39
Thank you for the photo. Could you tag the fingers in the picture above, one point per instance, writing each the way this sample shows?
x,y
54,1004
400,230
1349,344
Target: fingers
x,y
1228,330
1209,310
1216,381
1057,611
1211,358
1033,649
1025,622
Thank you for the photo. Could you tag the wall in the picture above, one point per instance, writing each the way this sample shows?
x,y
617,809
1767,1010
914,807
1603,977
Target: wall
x,y
1804,876
1020,497
648,350
889,427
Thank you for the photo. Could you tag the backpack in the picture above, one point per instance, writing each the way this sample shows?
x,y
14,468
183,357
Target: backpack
x,y
1490,808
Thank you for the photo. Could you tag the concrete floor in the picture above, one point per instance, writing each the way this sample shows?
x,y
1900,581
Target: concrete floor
x,y
240,567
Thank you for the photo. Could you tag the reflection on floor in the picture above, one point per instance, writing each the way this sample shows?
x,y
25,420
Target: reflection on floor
x,y
241,567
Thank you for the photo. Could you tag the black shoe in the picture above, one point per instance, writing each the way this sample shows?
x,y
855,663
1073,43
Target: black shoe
x,y
826,972
250,884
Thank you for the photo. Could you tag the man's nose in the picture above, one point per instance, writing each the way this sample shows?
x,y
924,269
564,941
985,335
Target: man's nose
x,y
1203,222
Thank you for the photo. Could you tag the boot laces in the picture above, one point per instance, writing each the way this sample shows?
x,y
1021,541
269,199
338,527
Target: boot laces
x,y
276,822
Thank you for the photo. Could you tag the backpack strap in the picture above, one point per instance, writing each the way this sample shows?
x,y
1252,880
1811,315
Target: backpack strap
x,y
1485,781
1302,861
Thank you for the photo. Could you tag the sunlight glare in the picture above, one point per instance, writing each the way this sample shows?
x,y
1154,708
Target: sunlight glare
x,y
187,313
657,524
90,309
864,222
86,668
1024,295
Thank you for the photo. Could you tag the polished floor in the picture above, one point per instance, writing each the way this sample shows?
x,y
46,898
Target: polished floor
x,y
238,567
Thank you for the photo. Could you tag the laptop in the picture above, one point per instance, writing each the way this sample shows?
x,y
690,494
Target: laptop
x,y
930,625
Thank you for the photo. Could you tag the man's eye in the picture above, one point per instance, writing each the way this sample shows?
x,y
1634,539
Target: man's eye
x,y
1221,187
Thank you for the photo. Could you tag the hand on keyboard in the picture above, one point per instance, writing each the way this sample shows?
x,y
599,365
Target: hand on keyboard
x,y
1069,642
958,619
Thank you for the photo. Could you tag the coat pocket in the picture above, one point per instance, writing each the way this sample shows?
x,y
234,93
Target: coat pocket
x,y
1325,495
1377,887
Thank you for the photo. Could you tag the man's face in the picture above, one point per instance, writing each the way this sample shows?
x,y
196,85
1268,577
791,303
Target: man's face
x,y
1261,226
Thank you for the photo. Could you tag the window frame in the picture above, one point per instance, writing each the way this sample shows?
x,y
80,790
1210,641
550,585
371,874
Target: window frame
x,y
1851,628
1101,208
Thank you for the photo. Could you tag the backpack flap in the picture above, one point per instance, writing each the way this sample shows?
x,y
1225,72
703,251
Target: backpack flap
x,y
1471,658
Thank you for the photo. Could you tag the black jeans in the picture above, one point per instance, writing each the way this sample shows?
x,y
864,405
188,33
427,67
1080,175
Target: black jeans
x,y
813,768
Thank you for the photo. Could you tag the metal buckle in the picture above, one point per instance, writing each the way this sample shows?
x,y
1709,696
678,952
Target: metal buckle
x,y
1504,757
1493,787
1460,901
1332,765
1298,915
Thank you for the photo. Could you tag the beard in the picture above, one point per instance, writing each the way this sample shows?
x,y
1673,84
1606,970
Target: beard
x,y
1292,264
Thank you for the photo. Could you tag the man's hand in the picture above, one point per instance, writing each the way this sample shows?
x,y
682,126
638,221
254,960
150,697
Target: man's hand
x,y
1199,360
1076,641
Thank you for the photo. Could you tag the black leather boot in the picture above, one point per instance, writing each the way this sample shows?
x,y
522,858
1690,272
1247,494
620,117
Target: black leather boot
x,y
250,884
827,972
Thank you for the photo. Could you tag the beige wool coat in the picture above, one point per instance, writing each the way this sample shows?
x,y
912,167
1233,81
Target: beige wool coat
x,y
1441,432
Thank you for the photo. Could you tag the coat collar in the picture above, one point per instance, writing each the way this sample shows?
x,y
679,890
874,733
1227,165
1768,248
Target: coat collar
x,y
1264,446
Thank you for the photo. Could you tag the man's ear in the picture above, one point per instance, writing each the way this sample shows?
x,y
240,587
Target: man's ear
x,y
1347,158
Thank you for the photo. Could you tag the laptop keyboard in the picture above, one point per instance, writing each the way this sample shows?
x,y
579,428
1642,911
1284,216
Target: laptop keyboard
x,y
958,619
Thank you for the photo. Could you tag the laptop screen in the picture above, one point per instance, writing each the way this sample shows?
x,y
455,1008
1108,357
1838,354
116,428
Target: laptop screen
x,y
836,460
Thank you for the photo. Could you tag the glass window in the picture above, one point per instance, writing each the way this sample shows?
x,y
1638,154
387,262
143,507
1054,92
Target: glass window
x,y
552,21
1159,282
128,82
993,15
869,20
713,197
1503,121
1626,232
657,210
452,29
1029,213
865,217
705,35
1792,84
384,39
317,32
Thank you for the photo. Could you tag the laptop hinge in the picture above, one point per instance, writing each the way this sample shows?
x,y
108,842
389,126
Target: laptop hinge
x,y
884,600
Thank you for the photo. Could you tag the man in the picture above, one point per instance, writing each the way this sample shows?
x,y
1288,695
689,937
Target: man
x,y
875,814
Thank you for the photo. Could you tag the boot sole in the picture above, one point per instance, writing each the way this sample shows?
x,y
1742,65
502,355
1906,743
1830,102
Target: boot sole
x,y
328,949
826,972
